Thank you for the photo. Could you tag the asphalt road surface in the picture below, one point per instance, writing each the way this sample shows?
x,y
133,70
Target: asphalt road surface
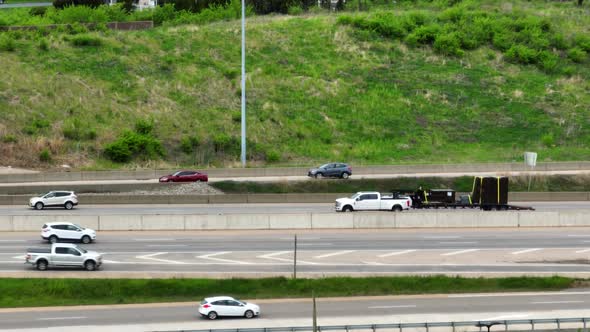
x,y
493,305
154,209
545,251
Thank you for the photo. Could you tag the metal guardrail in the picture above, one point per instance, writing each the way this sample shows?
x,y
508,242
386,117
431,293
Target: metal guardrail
x,y
482,325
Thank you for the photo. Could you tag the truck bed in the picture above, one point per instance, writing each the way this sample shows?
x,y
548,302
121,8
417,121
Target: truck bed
x,y
39,250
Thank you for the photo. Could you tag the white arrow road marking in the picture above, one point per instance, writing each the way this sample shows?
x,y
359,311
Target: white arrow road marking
x,y
344,252
111,262
151,257
210,257
396,253
61,318
453,253
582,251
272,256
526,251
392,306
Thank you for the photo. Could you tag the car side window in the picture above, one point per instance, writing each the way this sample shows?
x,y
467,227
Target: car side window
x,y
72,228
73,251
63,251
59,227
219,302
233,303
372,196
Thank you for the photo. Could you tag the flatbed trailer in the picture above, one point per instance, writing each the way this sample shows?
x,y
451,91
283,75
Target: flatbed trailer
x,y
486,207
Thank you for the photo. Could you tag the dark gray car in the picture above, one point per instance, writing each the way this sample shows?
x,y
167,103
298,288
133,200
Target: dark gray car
x,y
333,170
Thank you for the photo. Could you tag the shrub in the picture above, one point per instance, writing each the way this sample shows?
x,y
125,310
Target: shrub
x,y
45,155
295,10
548,140
74,129
583,42
423,35
43,44
448,44
86,40
503,40
7,43
548,61
130,145
522,54
188,144
9,138
273,156
577,54
38,11
144,127
163,14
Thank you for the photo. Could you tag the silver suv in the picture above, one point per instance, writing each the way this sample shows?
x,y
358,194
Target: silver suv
x,y
65,199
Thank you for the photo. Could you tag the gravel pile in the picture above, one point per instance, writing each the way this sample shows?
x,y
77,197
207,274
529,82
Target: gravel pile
x,y
194,188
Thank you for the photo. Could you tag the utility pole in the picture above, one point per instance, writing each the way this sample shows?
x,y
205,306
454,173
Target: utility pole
x,y
243,85
315,314
295,259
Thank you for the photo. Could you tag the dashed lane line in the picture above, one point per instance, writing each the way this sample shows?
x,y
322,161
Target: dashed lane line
x,y
210,257
453,253
526,251
392,306
61,318
338,253
397,253
557,302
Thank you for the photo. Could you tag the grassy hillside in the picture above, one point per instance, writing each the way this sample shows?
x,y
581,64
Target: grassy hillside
x,y
319,88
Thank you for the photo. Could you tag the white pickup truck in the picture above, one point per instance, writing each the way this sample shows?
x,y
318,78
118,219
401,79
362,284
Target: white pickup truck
x,y
372,200
63,254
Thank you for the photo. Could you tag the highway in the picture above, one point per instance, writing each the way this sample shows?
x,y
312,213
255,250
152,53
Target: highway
x,y
252,208
299,311
540,251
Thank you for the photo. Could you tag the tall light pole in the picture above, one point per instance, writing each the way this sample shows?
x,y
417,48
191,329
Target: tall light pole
x,y
243,155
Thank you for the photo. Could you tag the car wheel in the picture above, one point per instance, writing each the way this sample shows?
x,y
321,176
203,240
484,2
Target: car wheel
x,y
86,239
53,239
69,205
319,175
396,208
345,175
90,266
249,314
42,265
212,315
347,208
38,206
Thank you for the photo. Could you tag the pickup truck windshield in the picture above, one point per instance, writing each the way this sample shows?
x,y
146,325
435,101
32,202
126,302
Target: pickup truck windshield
x,y
354,196
81,250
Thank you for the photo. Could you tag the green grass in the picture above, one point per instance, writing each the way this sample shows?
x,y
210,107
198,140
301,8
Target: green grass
x,y
554,183
55,292
317,90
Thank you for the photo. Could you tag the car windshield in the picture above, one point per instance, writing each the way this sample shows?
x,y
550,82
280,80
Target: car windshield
x,y
177,173
355,196
325,166
81,250
204,301
51,192
80,227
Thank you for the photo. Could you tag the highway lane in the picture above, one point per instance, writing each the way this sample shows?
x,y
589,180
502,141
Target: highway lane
x,y
153,209
544,251
485,306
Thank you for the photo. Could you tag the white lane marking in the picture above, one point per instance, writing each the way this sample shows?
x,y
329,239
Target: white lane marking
x,y
578,235
152,257
392,306
338,253
148,240
61,318
526,251
19,257
505,317
210,257
517,294
167,245
586,241
582,251
314,244
272,256
557,302
396,253
467,242
453,253
441,237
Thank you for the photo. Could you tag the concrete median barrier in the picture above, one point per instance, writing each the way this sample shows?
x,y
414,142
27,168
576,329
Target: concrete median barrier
x,y
228,199
574,218
247,221
157,222
205,222
332,220
538,219
457,219
121,223
416,220
290,221
30,223
6,224
375,220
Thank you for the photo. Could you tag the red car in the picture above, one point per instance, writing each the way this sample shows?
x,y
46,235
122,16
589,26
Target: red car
x,y
185,176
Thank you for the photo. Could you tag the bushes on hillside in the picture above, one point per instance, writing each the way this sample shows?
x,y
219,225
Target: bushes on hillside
x,y
135,144
523,39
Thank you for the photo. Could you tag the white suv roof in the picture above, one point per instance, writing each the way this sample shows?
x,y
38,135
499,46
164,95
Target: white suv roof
x,y
59,223
218,298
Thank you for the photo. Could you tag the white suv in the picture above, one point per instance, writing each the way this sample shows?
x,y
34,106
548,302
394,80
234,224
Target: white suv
x,y
56,231
67,199
214,307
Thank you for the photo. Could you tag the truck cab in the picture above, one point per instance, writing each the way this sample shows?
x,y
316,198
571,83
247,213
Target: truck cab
x,y
63,255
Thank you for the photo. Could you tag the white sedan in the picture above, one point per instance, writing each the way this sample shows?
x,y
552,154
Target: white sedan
x,y
214,307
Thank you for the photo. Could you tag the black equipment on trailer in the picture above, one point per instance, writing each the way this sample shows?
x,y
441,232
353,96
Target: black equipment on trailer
x,y
488,193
